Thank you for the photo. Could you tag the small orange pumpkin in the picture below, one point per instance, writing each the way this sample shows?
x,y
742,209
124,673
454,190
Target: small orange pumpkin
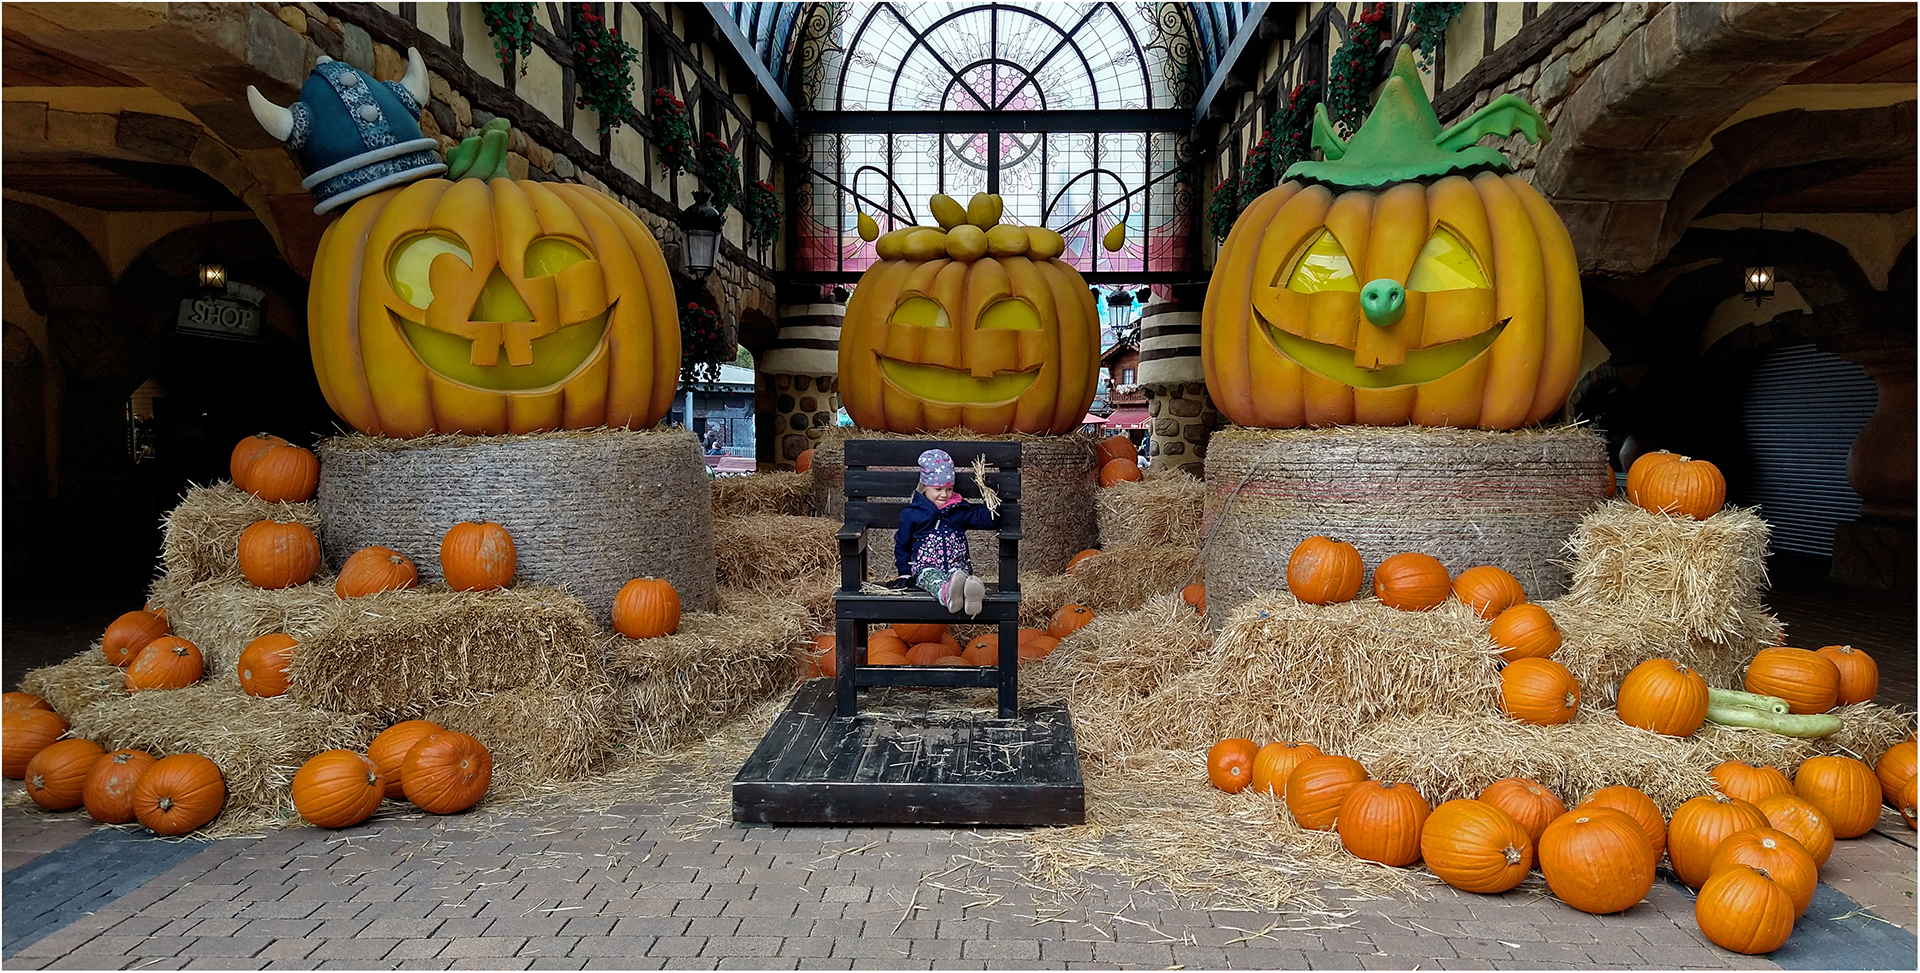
x,y
1119,471
1074,562
178,794
1909,805
1411,582
447,772
1638,470
646,608
108,791
245,452
1324,571
1273,762
1068,620
1697,829
1230,764
1488,590
1115,447
821,659
168,662
1316,788
1380,821
914,634
130,633
337,789
1776,853
1843,788
23,734
389,749
263,664
1895,769
1859,674
1635,804
57,775
1195,594
283,473
1808,681
374,569
477,557
1525,631
1475,847
274,554
984,650
22,701
1596,859
1792,814
1539,691
1663,696
885,643
1744,909
1683,487
924,653
803,462
1748,782
1527,801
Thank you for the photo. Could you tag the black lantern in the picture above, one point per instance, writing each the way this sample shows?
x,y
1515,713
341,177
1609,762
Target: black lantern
x,y
702,223
1759,283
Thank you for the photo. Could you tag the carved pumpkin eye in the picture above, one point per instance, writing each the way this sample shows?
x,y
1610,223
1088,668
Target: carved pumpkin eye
x,y
921,312
550,255
410,262
1323,267
1445,264
1012,314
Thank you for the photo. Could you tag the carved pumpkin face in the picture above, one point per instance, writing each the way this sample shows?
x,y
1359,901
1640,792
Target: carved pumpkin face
x,y
489,307
974,326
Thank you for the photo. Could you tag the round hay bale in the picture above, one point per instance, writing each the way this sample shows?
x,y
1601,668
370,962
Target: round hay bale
x,y
1465,496
588,510
1058,482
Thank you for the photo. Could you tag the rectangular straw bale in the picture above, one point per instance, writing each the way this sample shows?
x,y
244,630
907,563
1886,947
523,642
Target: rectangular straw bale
x,y
1112,674
771,492
77,683
715,667
536,733
1119,579
762,550
1161,509
201,535
1701,575
1600,644
257,743
398,654
221,615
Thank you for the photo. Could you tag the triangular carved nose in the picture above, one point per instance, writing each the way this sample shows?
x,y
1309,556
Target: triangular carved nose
x,y
499,301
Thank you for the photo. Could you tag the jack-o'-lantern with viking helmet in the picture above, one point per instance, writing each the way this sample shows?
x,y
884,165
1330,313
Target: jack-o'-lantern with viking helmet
x,y
475,303
1408,278
976,324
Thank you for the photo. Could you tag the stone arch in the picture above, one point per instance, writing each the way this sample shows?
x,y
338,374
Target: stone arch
x,y
67,283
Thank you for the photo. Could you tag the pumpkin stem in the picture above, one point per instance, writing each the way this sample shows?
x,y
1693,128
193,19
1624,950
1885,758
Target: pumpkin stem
x,y
166,804
1513,855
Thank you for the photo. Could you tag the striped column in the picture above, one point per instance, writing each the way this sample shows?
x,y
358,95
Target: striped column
x,y
1183,417
800,372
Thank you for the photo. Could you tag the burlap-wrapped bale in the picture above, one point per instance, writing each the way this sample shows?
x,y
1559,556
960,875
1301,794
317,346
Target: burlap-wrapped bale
x,y
1165,508
221,615
1705,576
397,654
1465,496
588,510
1058,481
717,666
201,536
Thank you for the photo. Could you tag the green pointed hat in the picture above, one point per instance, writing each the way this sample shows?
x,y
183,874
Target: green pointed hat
x,y
1401,140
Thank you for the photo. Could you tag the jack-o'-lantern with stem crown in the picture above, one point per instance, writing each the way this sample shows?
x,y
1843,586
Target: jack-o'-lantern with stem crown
x,y
1408,278
976,324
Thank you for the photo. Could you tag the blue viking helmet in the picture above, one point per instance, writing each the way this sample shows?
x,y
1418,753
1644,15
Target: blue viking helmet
x,y
355,135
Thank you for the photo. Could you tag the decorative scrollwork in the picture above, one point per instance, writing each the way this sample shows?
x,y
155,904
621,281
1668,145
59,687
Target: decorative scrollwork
x,y
1173,33
819,28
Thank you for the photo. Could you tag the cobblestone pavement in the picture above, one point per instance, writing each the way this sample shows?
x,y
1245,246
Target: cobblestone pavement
x,y
647,886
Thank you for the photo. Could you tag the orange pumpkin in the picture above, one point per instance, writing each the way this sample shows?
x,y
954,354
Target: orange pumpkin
x,y
1324,571
1776,853
1488,590
1663,696
646,608
1859,674
1697,829
1119,471
1525,631
1539,691
1596,859
1074,561
57,775
1230,764
803,462
178,794
1637,805
389,749
1475,847
23,734
885,643
274,554
374,569
1380,821
22,701
1808,681
263,664
1318,785
447,772
337,789
1750,783
924,653
1411,582
477,557
1804,822
1745,910
130,633
1068,620
107,793
1273,762
1115,447
1196,595
1527,801
1683,487
168,662
983,650
283,472
1638,470
1035,644
975,324
876,657
1844,789
1895,769
821,659
915,633
245,452
1909,805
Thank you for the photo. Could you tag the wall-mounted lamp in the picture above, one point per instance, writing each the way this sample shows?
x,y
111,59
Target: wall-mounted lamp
x,y
1759,284
213,274
702,223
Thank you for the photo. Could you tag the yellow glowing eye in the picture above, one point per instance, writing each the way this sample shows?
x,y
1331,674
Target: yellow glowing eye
x,y
550,255
1013,314
411,261
920,312
1445,264
1323,267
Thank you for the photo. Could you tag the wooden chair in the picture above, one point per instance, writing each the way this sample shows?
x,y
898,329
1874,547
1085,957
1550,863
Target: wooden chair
x,y
879,472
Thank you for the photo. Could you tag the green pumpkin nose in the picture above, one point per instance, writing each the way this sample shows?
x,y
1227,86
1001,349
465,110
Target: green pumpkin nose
x,y
1383,301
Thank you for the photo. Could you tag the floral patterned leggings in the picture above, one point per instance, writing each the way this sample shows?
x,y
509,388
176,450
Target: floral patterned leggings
x,y
938,554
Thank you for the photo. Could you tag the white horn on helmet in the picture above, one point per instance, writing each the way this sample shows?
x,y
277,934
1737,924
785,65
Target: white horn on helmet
x,y
276,120
415,80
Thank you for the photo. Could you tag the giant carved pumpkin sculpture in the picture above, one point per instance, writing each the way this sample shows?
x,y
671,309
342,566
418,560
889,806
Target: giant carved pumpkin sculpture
x,y
1405,279
975,324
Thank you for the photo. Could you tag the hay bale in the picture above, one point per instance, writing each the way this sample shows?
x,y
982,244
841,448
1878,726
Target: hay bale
x,y
588,509
1162,510
536,734
716,667
201,534
221,615
1601,644
773,550
1705,576
397,654
770,492
1058,483
1465,496
77,683
1113,674
1121,579
257,743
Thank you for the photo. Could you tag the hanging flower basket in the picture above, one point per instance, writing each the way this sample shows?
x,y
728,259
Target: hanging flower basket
x,y
1257,174
720,170
1352,75
672,133
703,345
511,27
1293,135
603,68
1427,21
1224,208
760,205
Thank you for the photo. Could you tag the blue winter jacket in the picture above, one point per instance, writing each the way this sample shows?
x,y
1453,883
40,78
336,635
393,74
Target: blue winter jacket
x,y
921,516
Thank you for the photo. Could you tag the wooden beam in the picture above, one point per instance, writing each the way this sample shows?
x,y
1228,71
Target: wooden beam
x,y
1534,40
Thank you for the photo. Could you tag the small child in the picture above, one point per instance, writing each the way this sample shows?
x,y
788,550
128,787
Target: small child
x,y
930,547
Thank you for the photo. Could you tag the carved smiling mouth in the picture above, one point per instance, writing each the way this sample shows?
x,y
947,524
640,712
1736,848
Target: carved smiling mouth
x,y
556,357
952,386
1422,365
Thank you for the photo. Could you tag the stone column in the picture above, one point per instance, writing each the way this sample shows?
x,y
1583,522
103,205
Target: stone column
x,y
1877,550
1183,416
800,374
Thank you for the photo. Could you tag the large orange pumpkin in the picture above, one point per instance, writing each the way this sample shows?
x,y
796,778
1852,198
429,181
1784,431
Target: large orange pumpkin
x,y
337,789
178,794
1663,696
1745,909
1120,471
1896,768
274,554
1388,285
389,748
647,608
1808,681
447,772
492,305
477,557
1641,466
1845,789
1115,447
374,569
1859,674
1684,487
974,324
23,734
913,633
283,472
22,701
1596,859
1697,829
1776,853
1539,691
1527,801
1380,821
1488,590
1525,632
1411,582
1749,782
168,662
1792,814
57,775
1324,571
1475,847
1068,620
263,664
107,793
1317,787
130,633
1635,804
1273,762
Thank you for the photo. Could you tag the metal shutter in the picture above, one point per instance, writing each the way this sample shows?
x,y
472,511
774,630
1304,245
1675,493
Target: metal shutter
x,y
1802,411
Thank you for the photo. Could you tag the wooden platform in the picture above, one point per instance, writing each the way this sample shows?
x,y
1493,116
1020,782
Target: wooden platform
x,y
912,756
